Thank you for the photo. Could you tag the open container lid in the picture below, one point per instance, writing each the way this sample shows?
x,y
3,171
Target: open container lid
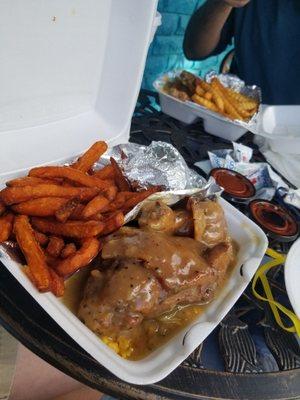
x,y
70,72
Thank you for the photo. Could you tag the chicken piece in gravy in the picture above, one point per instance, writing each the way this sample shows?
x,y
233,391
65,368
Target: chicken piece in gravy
x,y
129,293
177,262
156,268
210,227
157,216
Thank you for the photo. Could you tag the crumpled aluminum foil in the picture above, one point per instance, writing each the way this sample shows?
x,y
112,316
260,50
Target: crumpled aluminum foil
x,y
157,164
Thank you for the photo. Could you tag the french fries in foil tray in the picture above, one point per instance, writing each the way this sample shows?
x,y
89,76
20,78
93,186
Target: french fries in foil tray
x,y
58,216
224,96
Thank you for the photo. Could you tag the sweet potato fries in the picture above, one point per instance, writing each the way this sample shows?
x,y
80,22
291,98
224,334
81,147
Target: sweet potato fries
x,y
59,214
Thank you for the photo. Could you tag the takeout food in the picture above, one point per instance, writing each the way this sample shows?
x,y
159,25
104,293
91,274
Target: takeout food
x,y
212,95
155,276
59,215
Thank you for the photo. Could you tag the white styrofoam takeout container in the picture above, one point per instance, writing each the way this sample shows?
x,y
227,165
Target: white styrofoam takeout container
x,y
70,72
188,112
252,244
281,126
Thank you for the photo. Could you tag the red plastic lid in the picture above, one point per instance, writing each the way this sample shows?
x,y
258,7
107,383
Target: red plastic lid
x,y
274,219
234,184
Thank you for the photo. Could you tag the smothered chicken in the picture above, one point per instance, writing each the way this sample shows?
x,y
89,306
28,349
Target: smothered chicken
x,y
174,258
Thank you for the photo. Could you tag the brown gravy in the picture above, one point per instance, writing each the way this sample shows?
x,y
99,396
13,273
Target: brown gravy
x,y
152,333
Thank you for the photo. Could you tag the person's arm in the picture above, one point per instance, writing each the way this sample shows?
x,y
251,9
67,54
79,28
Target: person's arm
x,y
205,26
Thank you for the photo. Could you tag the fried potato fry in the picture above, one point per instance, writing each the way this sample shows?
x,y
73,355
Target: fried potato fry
x,y
6,226
119,201
51,261
94,206
41,238
205,103
71,174
14,195
248,106
31,181
244,105
55,246
77,213
208,95
106,172
228,107
241,102
66,210
121,181
57,284
238,105
75,229
113,223
68,250
241,98
87,252
88,159
199,91
2,208
204,85
42,207
137,198
110,193
33,253
219,102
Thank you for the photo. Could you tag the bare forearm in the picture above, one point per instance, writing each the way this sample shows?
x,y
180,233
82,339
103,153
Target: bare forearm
x,y
204,29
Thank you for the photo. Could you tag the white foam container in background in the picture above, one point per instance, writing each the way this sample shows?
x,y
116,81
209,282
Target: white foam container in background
x,y
176,108
188,112
70,72
216,124
281,126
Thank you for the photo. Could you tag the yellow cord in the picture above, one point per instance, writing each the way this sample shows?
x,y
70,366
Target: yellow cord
x,y
277,259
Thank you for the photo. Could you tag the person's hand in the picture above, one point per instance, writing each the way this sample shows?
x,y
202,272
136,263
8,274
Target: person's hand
x,y
236,3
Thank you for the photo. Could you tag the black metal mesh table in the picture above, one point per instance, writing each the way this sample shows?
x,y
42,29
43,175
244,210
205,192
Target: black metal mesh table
x,y
246,357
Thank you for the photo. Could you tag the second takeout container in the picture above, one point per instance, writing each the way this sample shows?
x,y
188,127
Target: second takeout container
x,y
188,112
70,73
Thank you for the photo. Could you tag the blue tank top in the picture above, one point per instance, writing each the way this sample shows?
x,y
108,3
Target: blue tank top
x,y
266,35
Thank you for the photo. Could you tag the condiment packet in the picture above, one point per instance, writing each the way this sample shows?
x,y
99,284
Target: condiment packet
x,y
265,180
242,153
293,198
